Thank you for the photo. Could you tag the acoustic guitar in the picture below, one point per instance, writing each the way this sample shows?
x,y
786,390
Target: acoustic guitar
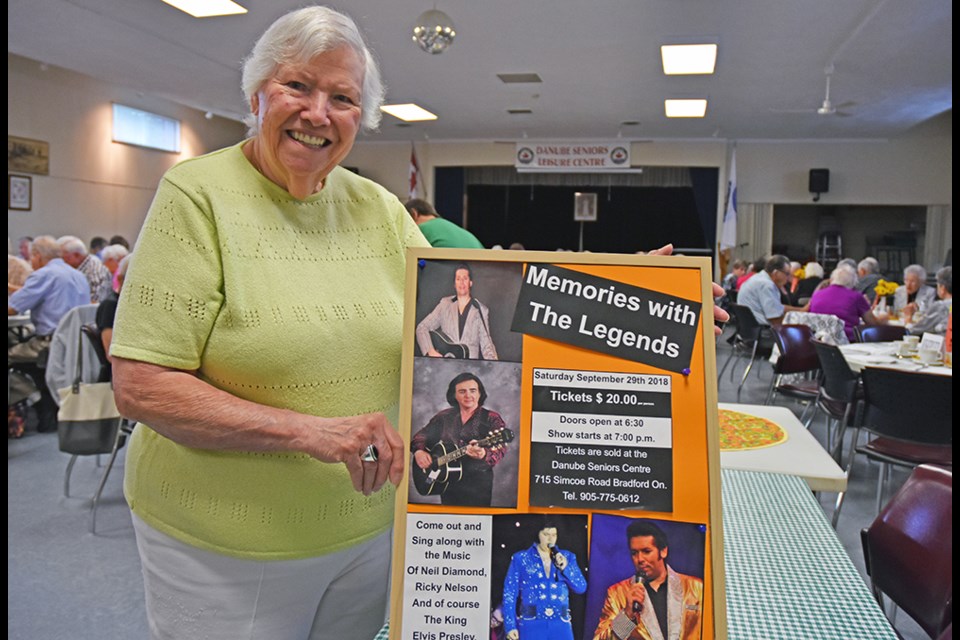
x,y
447,347
435,479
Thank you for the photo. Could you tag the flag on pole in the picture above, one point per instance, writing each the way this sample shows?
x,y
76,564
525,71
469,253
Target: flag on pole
x,y
728,232
414,173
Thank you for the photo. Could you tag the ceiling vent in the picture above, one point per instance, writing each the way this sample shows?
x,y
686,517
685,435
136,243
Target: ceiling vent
x,y
519,112
516,78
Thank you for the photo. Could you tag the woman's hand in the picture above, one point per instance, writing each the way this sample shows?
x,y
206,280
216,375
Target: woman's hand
x,y
180,406
719,315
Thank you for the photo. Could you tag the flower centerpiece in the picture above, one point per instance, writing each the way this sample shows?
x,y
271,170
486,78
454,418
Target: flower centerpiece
x,y
884,290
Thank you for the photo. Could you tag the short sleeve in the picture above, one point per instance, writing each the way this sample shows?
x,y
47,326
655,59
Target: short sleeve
x,y
173,288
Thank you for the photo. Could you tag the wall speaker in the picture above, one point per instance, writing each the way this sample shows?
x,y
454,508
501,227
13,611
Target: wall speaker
x,y
819,180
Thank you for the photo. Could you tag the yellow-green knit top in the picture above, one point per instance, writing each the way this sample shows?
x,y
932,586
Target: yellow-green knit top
x,y
285,302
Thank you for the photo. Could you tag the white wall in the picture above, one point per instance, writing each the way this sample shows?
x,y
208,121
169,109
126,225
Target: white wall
x,y
96,187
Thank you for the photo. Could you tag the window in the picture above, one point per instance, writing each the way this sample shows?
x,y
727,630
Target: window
x,y
145,129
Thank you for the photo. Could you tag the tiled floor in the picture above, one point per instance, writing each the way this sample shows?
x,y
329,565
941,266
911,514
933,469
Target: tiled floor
x,y
859,508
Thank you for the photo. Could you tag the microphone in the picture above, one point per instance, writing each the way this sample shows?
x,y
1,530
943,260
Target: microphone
x,y
637,579
554,557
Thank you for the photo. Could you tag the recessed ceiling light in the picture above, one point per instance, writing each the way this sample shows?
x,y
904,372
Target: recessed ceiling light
x,y
511,78
207,8
687,59
685,108
408,112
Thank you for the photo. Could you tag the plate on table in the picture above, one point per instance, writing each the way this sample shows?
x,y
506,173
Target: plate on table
x,y
742,432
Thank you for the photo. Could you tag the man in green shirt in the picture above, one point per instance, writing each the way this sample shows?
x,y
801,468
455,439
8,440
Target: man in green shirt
x,y
438,231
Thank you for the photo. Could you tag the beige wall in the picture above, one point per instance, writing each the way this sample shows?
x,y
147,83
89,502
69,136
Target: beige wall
x,y
96,187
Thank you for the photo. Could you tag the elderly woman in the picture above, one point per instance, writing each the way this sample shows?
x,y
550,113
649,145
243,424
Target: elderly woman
x,y
840,299
257,342
811,281
913,290
936,314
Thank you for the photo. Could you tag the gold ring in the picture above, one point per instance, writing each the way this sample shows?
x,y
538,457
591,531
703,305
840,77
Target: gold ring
x,y
370,454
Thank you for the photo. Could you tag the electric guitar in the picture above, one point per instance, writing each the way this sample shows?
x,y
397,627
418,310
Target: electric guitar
x,y
433,480
446,346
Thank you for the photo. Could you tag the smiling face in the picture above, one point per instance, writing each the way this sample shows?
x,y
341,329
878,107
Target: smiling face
x,y
468,395
308,116
462,282
647,558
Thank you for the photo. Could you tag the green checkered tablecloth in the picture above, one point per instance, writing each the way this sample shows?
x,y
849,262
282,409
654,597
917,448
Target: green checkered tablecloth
x,y
787,575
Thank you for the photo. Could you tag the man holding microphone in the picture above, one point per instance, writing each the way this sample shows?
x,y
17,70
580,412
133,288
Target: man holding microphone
x,y
656,600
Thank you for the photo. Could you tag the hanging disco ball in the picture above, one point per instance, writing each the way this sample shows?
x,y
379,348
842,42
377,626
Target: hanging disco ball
x,y
434,31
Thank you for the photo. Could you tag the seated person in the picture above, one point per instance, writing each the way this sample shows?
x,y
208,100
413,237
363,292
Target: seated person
x,y
105,315
840,299
53,289
935,315
868,275
755,267
761,293
913,289
812,277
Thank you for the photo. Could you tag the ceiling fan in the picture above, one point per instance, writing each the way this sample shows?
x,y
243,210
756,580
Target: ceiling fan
x,y
826,108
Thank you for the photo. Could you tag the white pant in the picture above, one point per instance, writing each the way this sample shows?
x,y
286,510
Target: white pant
x,y
192,593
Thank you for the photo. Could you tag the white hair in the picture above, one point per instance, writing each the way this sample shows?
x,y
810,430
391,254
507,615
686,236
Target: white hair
x,y
916,270
300,36
813,270
844,275
46,247
72,244
869,265
114,252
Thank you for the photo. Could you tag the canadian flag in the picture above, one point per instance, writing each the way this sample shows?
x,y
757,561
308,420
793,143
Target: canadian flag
x,y
414,173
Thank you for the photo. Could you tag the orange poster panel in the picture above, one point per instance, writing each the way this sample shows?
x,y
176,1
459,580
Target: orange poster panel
x,y
561,419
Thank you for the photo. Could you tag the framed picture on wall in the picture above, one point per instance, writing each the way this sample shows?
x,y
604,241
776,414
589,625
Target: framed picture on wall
x,y
19,192
28,156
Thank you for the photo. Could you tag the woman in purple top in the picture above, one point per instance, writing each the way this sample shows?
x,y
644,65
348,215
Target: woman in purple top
x,y
845,302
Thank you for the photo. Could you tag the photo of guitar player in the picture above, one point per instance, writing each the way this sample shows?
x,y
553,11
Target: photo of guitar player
x,y
459,326
456,455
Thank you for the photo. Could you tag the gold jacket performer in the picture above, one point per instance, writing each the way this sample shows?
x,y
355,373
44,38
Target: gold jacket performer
x,y
656,603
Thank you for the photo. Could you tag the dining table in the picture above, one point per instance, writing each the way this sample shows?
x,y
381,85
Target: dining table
x,y
19,326
786,573
885,355
797,452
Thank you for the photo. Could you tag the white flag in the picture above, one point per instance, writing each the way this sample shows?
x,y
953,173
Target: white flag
x,y
728,232
414,173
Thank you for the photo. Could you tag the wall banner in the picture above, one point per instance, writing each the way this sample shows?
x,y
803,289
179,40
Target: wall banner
x,y
573,156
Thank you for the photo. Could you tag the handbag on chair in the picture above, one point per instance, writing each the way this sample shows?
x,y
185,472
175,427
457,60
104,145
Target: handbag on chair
x,y
88,418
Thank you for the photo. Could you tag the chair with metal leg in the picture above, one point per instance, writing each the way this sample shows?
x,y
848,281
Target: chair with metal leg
x,y
908,549
911,415
751,340
797,369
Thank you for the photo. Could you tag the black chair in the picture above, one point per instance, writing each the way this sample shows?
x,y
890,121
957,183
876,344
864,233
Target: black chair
x,y
841,394
880,333
797,358
908,549
751,339
126,426
912,416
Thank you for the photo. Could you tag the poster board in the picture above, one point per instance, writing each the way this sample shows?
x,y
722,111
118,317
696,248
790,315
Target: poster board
x,y
590,382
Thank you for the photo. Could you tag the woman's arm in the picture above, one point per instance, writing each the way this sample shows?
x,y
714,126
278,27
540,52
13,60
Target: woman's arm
x,y
179,406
